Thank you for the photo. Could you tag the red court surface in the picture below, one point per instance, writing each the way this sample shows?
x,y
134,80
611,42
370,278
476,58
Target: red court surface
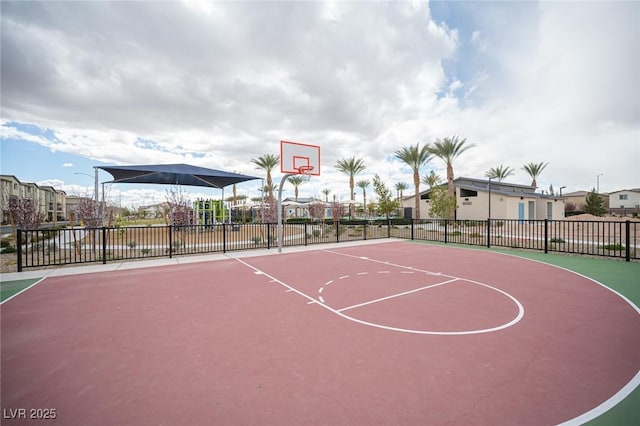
x,y
392,333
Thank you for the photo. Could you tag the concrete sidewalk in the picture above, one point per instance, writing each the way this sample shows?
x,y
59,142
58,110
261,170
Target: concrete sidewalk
x,y
134,264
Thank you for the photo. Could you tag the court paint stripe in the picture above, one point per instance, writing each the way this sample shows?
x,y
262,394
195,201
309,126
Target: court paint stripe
x,y
311,301
397,295
607,405
22,291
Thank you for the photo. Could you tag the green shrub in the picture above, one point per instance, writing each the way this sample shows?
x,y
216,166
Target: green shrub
x,y
557,240
9,249
298,220
132,244
616,247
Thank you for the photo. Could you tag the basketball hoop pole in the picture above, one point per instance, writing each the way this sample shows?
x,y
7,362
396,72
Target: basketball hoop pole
x,y
282,181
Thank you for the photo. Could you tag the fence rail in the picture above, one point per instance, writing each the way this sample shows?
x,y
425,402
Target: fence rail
x,y
57,247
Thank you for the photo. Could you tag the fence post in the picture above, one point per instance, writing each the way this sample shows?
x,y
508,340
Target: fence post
x,y
268,236
627,237
104,245
224,237
305,234
19,247
337,231
170,241
364,229
412,234
488,233
446,232
546,235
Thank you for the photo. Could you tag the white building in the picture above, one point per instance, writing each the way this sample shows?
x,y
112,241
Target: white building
x,y
479,199
625,202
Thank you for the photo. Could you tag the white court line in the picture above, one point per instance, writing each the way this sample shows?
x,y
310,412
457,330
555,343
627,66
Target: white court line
x,y
22,291
397,295
311,300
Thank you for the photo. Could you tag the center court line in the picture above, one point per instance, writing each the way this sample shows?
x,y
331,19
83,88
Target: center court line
x,y
321,303
397,295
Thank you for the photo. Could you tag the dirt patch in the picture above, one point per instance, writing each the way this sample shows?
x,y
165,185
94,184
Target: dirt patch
x,y
589,217
8,263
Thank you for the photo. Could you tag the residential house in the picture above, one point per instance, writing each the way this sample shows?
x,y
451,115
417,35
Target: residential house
x,y
625,202
577,200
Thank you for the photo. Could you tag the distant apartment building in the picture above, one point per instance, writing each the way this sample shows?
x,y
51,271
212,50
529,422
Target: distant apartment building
x,y
49,201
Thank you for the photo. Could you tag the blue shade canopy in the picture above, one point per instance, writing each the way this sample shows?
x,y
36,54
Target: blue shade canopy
x,y
174,174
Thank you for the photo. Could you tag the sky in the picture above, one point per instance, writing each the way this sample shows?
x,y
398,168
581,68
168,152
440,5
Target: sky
x,y
217,84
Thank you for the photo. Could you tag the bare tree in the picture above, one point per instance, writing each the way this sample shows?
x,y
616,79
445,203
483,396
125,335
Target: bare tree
x,y
179,211
316,211
24,214
337,211
88,212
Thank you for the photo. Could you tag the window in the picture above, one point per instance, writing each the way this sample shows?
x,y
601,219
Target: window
x,y
624,196
464,193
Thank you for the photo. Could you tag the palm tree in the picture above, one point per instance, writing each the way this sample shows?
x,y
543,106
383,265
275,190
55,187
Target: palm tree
x,y
400,187
267,162
326,192
448,149
432,179
500,173
415,157
296,181
534,170
363,184
351,166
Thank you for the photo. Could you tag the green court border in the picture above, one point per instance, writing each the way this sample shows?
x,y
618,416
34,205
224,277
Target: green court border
x,y
9,289
616,274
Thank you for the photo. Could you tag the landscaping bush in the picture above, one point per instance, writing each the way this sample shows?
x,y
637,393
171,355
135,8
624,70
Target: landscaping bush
x,y
298,220
616,247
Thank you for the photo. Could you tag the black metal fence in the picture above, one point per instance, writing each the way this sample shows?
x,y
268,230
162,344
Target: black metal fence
x,y
56,247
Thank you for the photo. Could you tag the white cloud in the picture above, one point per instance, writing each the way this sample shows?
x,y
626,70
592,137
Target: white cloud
x,y
215,84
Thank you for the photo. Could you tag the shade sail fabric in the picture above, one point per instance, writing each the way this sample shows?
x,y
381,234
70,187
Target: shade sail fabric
x,y
174,174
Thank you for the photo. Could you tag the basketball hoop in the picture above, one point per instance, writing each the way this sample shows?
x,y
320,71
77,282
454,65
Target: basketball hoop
x,y
305,172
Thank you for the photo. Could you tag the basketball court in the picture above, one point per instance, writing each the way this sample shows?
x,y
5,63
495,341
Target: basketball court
x,y
384,333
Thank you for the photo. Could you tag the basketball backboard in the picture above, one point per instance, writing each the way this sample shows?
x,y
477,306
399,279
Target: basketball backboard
x,y
299,158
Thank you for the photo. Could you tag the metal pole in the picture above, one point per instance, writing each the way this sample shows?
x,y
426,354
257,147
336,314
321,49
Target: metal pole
x,y
279,224
222,205
95,179
598,183
490,198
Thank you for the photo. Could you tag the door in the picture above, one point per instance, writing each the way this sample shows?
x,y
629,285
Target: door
x,y
549,210
520,212
532,210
